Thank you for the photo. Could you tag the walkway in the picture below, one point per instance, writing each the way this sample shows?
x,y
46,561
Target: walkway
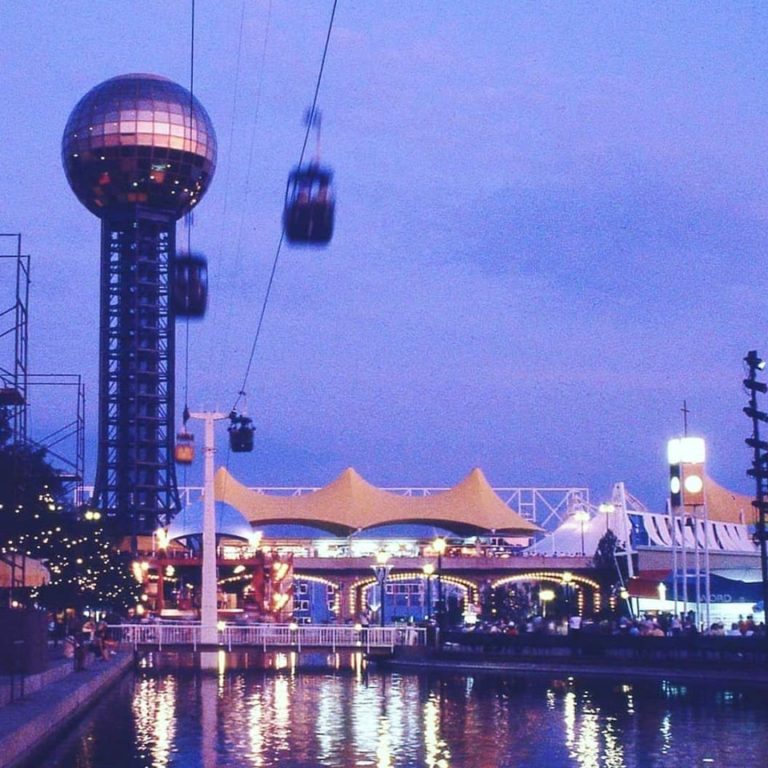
x,y
51,700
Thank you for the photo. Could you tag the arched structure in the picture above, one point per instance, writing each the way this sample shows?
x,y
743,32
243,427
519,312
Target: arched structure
x,y
356,589
567,580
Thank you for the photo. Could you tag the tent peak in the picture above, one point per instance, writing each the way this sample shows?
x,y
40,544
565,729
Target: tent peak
x,y
476,479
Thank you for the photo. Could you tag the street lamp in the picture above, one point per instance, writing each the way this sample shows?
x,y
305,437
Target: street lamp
x,y
686,456
438,545
428,569
581,516
606,509
567,581
626,597
545,596
381,569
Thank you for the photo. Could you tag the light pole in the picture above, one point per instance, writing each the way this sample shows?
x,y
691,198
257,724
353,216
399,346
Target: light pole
x,y
624,595
759,469
686,456
428,569
567,580
381,569
581,516
545,596
438,545
606,509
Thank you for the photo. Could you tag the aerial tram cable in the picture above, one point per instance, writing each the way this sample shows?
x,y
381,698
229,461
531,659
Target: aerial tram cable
x,y
223,226
227,307
234,415
249,165
189,290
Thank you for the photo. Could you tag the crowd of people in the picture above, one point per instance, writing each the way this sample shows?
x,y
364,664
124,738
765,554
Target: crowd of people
x,y
648,625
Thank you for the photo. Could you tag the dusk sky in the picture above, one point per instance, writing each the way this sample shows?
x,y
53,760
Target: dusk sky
x,y
551,229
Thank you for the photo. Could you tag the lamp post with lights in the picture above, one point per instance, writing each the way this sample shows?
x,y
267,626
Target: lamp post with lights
x,y
381,568
545,596
439,545
686,456
428,569
567,578
606,508
581,516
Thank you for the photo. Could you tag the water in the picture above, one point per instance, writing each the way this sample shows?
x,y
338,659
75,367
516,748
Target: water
x,y
348,717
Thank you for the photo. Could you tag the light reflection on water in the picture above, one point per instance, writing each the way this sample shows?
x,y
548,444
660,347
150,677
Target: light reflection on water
x,y
348,718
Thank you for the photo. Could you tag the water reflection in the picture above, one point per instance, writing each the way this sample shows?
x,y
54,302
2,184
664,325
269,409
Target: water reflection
x,y
295,719
154,712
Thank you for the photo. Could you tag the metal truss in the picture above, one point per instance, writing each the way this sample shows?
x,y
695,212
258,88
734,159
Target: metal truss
x,y
135,471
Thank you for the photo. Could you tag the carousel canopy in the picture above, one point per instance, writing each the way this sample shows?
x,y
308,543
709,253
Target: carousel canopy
x,y
229,522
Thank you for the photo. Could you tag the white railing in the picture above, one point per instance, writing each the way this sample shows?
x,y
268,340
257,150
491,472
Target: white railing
x,y
267,636
157,634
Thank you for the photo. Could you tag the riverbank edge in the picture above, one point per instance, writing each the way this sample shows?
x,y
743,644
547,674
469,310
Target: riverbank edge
x,y
422,660
28,724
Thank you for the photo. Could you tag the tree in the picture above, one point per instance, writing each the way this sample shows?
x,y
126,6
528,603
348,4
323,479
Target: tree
x,y
605,555
87,570
37,521
610,557
30,492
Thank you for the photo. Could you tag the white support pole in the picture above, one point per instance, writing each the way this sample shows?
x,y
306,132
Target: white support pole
x,y
707,573
673,541
208,612
697,565
684,560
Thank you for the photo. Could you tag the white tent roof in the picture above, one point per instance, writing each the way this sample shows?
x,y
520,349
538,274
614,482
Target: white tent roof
x,y
566,539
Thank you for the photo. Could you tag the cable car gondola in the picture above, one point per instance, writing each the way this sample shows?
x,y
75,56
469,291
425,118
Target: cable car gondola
x,y
240,433
309,205
190,285
184,452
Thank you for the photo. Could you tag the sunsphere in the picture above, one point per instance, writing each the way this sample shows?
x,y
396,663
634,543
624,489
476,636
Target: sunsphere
x,y
139,151
139,139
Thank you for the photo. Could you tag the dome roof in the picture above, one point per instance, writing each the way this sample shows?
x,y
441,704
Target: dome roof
x,y
139,139
229,522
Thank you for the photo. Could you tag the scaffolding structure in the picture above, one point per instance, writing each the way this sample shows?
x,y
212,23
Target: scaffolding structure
x,y
14,337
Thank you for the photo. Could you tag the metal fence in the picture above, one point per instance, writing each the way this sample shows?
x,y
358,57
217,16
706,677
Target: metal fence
x,y
269,636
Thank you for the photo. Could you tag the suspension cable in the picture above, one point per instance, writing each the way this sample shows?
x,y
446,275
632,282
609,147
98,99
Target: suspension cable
x,y
268,291
188,217
223,228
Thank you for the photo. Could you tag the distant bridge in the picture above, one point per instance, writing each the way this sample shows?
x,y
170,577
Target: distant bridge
x,y
266,637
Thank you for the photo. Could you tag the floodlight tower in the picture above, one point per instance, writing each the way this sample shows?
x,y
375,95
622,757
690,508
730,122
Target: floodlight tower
x,y
139,151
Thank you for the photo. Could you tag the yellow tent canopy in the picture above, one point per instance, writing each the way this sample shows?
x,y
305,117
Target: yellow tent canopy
x,y
350,504
724,506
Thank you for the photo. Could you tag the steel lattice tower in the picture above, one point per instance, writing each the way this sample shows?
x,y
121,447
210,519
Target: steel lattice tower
x,y
139,152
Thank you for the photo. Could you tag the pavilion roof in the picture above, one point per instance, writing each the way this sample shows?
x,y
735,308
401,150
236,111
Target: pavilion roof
x,y
726,506
350,503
